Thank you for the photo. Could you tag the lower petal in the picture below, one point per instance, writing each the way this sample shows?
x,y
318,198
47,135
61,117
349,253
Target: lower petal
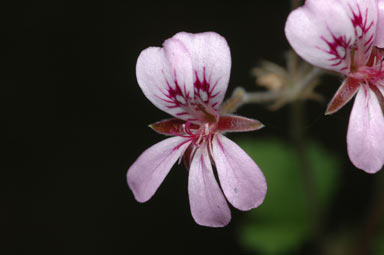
x,y
208,205
149,170
365,138
241,179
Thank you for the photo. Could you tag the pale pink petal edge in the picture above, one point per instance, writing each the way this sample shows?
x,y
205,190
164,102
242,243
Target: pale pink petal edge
x,y
147,173
365,137
208,205
242,181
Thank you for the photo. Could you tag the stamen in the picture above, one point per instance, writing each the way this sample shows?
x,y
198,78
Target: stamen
x,y
179,145
206,129
199,139
187,128
178,134
381,66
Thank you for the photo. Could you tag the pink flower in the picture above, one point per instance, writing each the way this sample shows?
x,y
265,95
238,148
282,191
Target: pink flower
x,y
346,36
187,78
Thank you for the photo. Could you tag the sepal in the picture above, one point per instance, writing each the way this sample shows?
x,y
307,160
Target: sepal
x,y
170,126
233,123
346,91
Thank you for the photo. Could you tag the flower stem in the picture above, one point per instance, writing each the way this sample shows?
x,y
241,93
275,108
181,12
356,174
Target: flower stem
x,y
308,79
241,97
234,102
300,144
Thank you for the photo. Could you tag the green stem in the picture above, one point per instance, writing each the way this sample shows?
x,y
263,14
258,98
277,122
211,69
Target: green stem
x,y
300,144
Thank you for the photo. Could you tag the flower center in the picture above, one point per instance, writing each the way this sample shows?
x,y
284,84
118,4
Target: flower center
x,y
370,73
195,133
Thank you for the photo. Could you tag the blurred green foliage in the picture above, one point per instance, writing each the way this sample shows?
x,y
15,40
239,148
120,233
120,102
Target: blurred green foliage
x,y
283,222
379,242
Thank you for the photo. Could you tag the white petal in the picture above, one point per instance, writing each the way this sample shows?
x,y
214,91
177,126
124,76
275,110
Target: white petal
x,y
380,25
165,76
208,205
365,137
211,60
363,15
149,170
241,179
190,70
324,32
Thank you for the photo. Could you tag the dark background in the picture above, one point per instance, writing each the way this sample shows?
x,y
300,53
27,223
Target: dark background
x,y
76,120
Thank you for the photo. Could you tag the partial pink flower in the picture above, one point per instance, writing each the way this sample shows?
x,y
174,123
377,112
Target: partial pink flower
x,y
346,36
380,24
187,78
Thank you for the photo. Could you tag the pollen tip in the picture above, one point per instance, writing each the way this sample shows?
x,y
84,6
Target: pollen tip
x,y
261,125
330,109
153,126
328,112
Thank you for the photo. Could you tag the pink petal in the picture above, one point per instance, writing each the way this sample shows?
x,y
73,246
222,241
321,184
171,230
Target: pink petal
x,y
166,78
379,95
380,24
241,179
363,15
211,60
149,170
233,123
188,155
188,77
324,32
365,137
208,205
346,91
